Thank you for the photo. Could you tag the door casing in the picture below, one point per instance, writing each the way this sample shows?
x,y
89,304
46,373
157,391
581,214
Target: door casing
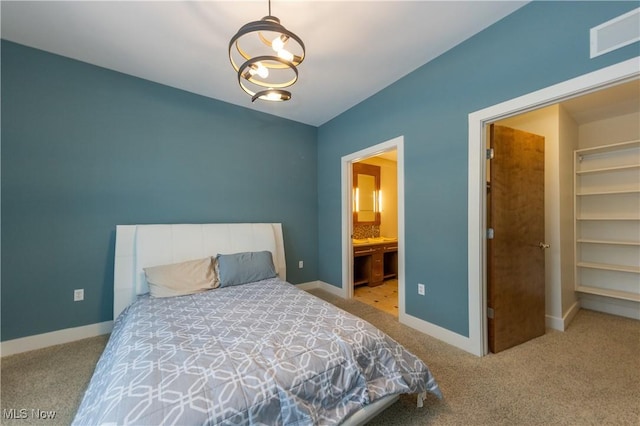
x,y
347,216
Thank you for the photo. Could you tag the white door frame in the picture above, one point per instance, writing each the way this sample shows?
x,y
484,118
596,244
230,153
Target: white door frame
x,y
593,81
347,214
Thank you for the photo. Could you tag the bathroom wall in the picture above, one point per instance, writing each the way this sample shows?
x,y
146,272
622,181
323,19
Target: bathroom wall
x,y
389,187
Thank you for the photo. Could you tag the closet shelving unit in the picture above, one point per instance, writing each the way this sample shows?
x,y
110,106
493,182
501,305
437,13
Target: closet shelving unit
x,y
607,220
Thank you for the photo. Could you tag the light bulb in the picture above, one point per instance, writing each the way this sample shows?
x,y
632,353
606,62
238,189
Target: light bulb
x,y
285,54
259,69
278,43
272,96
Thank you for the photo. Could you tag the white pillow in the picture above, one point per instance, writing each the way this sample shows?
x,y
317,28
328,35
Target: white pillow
x,y
179,279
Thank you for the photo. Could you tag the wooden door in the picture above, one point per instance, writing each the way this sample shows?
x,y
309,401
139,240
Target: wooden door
x,y
515,254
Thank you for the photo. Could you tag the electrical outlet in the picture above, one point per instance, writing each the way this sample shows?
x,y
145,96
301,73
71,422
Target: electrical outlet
x,y
78,295
300,264
421,289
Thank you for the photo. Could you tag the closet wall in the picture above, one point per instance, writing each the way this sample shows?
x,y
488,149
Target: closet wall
x,y
561,139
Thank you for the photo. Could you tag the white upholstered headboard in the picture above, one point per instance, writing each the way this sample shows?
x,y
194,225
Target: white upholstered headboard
x,y
141,246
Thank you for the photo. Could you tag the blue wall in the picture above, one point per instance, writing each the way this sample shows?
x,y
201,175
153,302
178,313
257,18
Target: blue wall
x,y
85,149
539,45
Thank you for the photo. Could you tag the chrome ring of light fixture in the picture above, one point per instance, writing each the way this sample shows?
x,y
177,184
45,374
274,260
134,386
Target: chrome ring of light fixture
x,y
268,63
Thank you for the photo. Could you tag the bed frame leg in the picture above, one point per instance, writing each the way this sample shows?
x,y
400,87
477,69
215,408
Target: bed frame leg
x,y
421,397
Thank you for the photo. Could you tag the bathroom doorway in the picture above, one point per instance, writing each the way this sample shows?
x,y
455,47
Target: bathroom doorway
x,y
373,226
375,231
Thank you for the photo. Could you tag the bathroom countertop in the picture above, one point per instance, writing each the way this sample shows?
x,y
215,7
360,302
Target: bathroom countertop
x,y
373,241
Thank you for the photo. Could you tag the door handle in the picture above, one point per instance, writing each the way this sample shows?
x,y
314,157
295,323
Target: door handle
x,y
543,246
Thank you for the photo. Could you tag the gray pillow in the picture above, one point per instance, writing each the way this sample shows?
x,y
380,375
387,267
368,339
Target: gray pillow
x,y
246,267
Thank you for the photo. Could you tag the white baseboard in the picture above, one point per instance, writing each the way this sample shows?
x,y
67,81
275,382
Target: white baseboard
x,y
336,291
437,332
570,314
554,323
608,305
308,285
561,324
425,327
39,341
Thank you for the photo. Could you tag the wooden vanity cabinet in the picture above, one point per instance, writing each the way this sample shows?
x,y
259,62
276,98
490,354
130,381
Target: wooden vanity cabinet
x,y
374,263
361,265
390,261
377,267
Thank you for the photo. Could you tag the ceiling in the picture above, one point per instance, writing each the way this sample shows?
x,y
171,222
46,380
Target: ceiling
x,y
354,48
620,99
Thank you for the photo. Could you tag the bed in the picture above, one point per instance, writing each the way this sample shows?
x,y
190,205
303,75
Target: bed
x,y
258,352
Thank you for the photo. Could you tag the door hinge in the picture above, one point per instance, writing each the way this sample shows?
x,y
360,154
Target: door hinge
x,y
490,313
490,154
490,233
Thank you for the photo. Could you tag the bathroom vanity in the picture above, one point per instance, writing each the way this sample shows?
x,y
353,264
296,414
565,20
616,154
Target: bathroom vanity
x,y
374,261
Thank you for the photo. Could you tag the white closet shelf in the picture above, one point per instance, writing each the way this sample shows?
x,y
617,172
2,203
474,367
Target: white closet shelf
x,y
609,293
609,267
621,191
608,169
608,218
609,148
610,242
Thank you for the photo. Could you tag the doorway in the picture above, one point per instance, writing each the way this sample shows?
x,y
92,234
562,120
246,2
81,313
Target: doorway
x,y
595,81
381,237
375,231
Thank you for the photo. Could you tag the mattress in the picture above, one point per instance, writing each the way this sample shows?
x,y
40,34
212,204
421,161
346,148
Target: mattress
x,y
259,353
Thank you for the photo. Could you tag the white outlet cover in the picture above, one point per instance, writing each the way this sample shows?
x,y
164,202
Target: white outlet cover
x,y
78,295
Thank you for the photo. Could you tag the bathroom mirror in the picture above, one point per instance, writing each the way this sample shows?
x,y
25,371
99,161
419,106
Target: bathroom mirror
x,y
366,190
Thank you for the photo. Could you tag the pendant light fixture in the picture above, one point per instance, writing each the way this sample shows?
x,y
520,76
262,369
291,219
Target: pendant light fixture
x,y
266,55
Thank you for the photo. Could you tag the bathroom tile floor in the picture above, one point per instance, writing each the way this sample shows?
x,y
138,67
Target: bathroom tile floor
x,y
383,297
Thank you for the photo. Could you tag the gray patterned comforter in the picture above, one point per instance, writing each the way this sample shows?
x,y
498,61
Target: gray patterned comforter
x,y
259,353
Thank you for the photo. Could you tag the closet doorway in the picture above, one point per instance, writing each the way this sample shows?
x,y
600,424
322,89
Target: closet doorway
x,y
373,226
570,99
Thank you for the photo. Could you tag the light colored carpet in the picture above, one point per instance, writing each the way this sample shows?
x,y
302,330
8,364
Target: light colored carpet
x,y
588,375
50,379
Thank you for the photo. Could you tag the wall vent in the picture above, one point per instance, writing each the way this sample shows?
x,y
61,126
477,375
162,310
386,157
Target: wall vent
x,y
616,33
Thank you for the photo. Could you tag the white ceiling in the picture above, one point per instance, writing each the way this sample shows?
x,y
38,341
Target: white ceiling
x,y
354,48
613,101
